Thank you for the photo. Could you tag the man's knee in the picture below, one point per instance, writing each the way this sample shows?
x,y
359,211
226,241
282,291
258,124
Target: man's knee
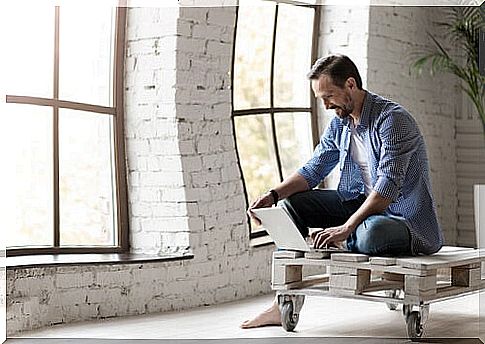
x,y
369,236
379,235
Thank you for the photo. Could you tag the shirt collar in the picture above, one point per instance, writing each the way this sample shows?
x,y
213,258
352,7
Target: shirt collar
x,y
366,107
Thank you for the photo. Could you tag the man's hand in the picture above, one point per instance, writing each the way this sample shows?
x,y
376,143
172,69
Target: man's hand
x,y
291,185
331,237
264,201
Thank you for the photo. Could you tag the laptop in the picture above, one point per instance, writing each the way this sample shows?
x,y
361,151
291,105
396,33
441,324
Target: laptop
x,y
284,232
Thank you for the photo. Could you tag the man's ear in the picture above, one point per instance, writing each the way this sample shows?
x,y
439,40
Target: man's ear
x,y
351,83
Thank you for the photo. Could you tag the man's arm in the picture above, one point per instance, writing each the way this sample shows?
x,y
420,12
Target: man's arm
x,y
374,204
324,159
293,184
400,137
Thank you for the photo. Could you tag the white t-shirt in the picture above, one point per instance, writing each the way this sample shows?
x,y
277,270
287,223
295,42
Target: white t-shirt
x,y
358,153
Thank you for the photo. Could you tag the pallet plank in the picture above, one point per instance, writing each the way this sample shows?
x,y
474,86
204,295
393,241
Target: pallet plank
x,y
340,270
355,282
389,276
420,285
305,283
317,255
382,260
284,274
287,254
349,257
382,285
442,260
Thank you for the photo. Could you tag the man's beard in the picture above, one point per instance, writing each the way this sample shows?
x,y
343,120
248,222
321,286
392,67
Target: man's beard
x,y
343,112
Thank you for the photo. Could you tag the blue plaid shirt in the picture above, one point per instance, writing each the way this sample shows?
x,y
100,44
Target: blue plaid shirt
x,y
398,166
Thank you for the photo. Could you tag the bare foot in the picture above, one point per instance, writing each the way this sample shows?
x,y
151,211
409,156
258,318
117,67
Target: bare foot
x,y
270,316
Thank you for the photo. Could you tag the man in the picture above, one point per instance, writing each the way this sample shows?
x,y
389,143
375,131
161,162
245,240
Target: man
x,y
383,204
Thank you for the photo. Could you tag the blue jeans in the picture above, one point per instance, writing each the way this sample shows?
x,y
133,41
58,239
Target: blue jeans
x,y
379,234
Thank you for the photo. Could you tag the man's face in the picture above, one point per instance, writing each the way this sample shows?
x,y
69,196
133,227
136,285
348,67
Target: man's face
x,y
335,97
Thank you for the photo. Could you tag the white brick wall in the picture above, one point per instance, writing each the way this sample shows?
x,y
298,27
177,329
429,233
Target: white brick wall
x,y
155,164
470,168
45,296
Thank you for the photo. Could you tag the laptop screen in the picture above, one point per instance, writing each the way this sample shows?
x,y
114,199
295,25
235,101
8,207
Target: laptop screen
x,y
281,229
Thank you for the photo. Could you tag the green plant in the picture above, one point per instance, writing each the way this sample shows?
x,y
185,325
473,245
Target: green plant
x,y
462,26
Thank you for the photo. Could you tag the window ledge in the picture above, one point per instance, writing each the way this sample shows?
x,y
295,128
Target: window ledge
x,y
261,241
91,259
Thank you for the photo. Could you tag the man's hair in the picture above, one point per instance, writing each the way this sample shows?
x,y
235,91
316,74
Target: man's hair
x,y
338,67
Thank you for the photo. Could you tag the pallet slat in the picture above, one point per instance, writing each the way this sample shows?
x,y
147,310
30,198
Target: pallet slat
x,y
421,277
442,260
305,283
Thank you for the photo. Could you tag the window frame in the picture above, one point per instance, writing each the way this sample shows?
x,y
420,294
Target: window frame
x,y
117,111
272,111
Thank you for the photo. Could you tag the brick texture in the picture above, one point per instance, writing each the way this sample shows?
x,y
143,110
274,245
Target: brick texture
x,y
470,167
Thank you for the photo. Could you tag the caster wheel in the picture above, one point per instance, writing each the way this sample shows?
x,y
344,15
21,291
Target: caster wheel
x,y
414,326
393,294
288,318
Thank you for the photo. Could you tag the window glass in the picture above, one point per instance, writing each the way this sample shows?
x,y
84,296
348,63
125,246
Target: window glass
x,y
88,204
256,154
258,93
294,134
252,63
30,185
293,56
27,63
86,179
86,46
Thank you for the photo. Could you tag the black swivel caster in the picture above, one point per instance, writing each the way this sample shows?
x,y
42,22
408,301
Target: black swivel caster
x,y
290,307
289,320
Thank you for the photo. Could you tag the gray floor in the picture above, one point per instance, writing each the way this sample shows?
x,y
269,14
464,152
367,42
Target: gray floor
x,y
246,340
328,320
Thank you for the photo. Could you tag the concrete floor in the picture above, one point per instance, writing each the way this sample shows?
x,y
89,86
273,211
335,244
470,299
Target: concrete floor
x,y
320,317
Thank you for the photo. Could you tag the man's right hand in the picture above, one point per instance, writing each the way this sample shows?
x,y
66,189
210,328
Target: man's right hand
x,y
264,201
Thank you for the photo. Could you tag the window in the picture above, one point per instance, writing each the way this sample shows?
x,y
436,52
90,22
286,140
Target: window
x,y
64,113
274,111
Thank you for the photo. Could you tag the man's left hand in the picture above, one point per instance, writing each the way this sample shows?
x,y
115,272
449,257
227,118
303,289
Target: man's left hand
x,y
331,236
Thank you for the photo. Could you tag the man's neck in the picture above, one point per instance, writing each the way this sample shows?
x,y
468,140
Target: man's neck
x,y
359,103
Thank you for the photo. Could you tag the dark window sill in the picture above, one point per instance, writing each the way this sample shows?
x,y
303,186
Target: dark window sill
x,y
261,241
47,260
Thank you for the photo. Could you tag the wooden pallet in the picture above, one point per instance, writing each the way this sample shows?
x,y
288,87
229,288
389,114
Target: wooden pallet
x,y
421,278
